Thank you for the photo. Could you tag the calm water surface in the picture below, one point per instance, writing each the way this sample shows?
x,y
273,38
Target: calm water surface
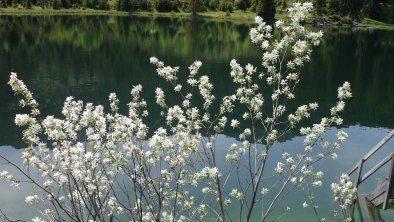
x,y
90,57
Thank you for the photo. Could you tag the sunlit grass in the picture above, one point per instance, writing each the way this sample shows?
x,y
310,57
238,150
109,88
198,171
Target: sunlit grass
x,y
235,16
367,22
47,11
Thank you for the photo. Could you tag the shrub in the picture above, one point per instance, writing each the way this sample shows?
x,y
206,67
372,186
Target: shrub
x,y
242,4
165,5
213,4
226,6
348,20
106,166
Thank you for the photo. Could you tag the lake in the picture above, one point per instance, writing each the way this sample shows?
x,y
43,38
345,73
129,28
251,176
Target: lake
x,y
91,56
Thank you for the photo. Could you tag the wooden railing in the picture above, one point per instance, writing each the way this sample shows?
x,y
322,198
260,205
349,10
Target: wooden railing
x,y
359,167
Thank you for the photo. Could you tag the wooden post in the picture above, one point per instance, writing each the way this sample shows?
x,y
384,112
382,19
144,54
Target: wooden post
x,y
359,171
364,206
357,180
390,183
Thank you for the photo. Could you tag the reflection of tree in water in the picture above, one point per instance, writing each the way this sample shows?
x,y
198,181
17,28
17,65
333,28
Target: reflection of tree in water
x,y
364,58
89,57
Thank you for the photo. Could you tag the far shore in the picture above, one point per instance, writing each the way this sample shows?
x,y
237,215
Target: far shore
x,y
236,16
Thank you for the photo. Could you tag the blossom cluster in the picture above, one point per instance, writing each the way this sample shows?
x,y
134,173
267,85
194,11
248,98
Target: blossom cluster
x,y
344,191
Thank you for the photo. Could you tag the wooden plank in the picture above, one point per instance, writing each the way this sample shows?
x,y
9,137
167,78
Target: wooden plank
x,y
364,205
390,183
374,149
359,171
357,207
376,197
379,198
376,167
380,188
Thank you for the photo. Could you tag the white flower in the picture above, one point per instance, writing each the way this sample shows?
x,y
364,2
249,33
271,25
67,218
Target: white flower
x,y
160,98
313,106
3,173
114,101
305,205
334,156
236,194
22,119
293,180
279,168
317,183
319,174
344,91
264,44
194,68
178,88
32,199
341,136
48,183
344,191
234,123
279,23
206,190
37,219
264,191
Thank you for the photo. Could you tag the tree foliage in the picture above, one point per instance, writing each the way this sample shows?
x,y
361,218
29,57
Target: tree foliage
x,y
355,9
266,9
335,9
242,4
132,5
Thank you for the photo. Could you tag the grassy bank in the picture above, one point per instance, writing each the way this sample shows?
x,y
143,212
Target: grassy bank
x,y
237,15
39,11
370,23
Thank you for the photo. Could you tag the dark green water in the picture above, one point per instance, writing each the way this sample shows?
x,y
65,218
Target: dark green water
x,y
90,57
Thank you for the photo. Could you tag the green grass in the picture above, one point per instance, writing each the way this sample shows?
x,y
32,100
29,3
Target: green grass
x,y
39,11
370,23
236,16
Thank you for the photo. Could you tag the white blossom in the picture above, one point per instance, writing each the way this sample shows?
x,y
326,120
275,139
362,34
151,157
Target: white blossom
x,y
32,199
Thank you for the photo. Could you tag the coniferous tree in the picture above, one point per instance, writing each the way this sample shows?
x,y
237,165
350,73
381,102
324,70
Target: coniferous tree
x,y
243,4
320,6
194,6
213,4
353,8
266,9
226,5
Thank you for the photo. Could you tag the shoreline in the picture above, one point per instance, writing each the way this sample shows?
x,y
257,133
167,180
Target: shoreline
x,y
236,16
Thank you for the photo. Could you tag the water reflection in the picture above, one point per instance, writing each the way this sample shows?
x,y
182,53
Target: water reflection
x,y
89,57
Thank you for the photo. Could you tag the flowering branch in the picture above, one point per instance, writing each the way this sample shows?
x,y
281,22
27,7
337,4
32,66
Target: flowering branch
x,y
99,166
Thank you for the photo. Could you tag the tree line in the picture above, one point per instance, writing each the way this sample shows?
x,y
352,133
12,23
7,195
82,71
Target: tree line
x,y
355,9
337,9
134,5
